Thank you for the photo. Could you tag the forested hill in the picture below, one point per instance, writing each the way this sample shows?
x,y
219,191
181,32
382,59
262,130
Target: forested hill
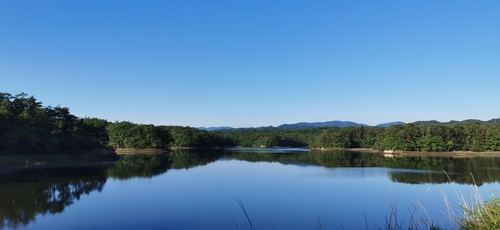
x,y
28,127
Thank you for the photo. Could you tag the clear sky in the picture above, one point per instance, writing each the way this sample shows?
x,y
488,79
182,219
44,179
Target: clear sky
x,y
255,63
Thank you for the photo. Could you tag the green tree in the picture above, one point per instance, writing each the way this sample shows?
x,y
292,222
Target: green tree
x,y
129,135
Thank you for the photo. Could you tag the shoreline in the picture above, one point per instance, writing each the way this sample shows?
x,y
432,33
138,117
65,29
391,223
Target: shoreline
x,y
125,151
11,163
189,148
397,153
346,149
455,154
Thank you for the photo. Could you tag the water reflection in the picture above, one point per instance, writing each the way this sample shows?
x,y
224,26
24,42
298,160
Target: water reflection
x,y
149,165
474,170
31,192
138,166
426,169
49,191
297,157
186,159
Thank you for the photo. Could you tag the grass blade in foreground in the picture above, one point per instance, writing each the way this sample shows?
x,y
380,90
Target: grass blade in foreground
x,y
244,210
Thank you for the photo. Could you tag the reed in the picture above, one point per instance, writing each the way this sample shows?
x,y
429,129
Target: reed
x,y
476,213
244,211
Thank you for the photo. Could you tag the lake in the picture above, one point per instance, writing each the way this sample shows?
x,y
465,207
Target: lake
x,y
279,188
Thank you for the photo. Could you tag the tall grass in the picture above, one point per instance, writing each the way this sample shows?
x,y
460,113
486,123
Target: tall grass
x,y
473,213
484,215
244,211
418,219
476,213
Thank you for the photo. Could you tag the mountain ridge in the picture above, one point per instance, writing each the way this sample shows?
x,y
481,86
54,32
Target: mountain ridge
x,y
343,124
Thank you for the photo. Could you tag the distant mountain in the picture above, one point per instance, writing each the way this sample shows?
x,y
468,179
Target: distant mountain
x,y
216,128
492,121
434,122
390,123
300,125
304,125
342,124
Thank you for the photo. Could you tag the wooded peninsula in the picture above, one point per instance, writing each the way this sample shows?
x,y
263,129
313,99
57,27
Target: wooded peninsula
x,y
28,127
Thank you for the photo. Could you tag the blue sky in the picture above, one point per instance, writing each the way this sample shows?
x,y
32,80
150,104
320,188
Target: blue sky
x,y
255,63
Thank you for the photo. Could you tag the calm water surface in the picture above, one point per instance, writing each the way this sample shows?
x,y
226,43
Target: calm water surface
x,y
280,189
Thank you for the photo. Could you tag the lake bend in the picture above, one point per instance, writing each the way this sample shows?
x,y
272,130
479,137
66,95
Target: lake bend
x,y
280,188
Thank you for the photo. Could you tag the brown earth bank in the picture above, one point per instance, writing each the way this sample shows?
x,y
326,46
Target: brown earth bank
x,y
187,148
121,151
347,149
456,154
390,153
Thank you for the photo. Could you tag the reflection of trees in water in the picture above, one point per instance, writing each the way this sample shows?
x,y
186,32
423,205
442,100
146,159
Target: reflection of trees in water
x,y
346,159
476,170
28,193
484,169
138,166
185,159
148,166
459,170
301,158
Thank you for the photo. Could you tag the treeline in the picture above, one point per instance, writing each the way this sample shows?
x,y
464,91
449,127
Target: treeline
x,y
129,135
27,127
464,136
350,137
272,137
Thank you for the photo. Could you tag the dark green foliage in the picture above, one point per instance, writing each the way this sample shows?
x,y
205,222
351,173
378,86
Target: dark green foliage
x,y
96,132
351,137
493,138
26,127
129,135
192,137
272,137
401,137
463,136
334,138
